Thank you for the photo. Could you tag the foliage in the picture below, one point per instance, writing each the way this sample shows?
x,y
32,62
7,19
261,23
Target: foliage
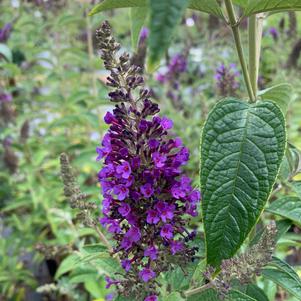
x,y
53,99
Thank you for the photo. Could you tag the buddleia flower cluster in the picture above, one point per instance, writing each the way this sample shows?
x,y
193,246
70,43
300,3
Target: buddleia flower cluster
x,y
171,78
146,196
227,79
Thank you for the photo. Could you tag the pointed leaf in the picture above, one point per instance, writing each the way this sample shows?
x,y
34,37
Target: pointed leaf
x,y
241,151
281,94
164,18
288,207
285,276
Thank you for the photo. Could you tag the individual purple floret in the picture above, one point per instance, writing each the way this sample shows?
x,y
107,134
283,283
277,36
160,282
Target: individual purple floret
x,y
146,195
227,79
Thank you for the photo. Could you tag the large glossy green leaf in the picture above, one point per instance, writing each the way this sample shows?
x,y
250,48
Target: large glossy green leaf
x,y
207,6
288,207
285,276
241,151
164,18
281,94
259,6
138,18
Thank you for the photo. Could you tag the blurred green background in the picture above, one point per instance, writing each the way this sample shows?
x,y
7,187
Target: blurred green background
x,y
52,100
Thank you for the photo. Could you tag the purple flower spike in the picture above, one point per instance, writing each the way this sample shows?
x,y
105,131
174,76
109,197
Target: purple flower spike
x,y
146,196
147,274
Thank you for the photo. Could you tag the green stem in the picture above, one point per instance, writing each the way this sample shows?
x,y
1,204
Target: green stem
x,y
198,290
255,36
253,52
238,44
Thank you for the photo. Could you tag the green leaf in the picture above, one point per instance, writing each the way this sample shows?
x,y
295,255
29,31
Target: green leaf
x,y
259,6
5,52
174,297
288,207
164,18
238,296
138,16
207,6
257,293
198,275
241,150
281,94
211,295
297,187
68,264
285,276
94,248
208,295
111,4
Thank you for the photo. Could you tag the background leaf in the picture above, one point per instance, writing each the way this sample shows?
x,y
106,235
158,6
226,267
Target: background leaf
x,y
285,276
164,18
281,94
241,151
138,17
288,207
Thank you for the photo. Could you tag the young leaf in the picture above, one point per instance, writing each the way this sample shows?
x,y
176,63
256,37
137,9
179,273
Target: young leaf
x,y
138,16
241,151
288,207
259,6
281,94
285,276
164,18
